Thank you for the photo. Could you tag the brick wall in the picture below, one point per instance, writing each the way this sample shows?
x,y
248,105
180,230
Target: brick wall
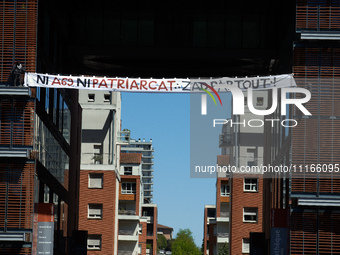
x,y
105,196
220,199
241,199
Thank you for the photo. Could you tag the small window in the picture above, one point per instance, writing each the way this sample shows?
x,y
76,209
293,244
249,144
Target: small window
x,y
259,101
94,242
128,188
95,181
107,97
91,98
127,170
250,184
95,211
225,190
245,101
250,215
245,245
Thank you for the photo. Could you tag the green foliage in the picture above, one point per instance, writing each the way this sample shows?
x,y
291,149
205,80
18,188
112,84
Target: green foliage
x,y
184,244
161,242
169,245
224,250
148,246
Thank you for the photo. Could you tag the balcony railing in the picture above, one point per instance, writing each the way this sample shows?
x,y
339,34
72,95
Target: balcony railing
x,y
127,232
223,235
126,212
224,214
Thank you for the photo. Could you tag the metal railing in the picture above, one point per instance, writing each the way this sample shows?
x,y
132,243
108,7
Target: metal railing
x,y
127,232
126,212
223,235
224,214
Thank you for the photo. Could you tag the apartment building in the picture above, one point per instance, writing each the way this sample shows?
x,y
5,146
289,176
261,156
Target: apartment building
x,y
150,213
130,204
147,150
165,230
209,235
239,194
99,169
217,217
137,221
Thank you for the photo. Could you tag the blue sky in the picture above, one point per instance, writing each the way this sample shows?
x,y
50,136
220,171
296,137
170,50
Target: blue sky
x,y
166,119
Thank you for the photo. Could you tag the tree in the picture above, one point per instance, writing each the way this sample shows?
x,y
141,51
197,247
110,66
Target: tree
x,y
161,242
184,244
169,244
224,250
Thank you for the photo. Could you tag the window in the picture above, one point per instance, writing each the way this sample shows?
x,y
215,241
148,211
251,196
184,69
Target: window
x,y
95,211
250,184
128,188
94,242
140,229
245,101
91,97
245,245
95,181
127,170
107,97
259,101
250,214
225,190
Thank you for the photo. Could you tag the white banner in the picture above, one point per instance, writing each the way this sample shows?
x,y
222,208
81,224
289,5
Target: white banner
x,y
156,85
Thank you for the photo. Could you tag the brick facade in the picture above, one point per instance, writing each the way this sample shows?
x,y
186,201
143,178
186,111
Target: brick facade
x,y
241,199
105,196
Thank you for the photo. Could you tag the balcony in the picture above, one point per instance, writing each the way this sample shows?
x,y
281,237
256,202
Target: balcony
x,y
148,156
123,137
147,169
127,215
126,212
224,214
9,90
222,237
147,162
133,238
224,217
318,35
